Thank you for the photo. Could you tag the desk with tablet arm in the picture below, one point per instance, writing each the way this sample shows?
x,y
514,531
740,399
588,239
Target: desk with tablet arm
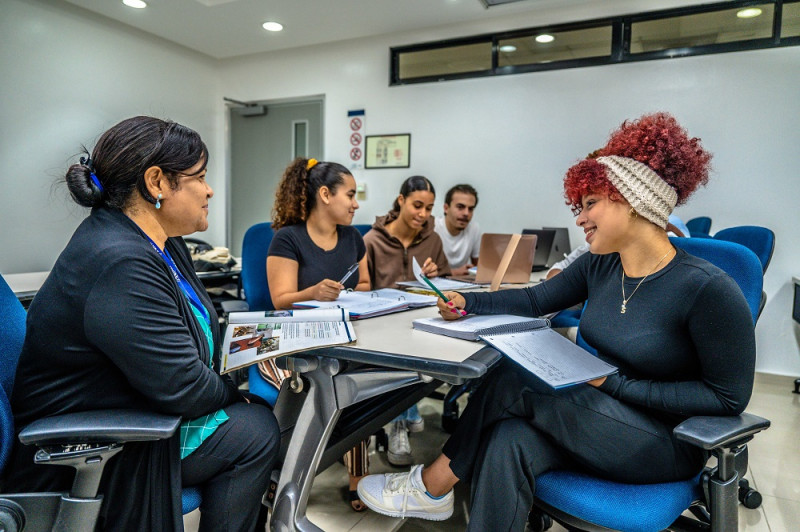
x,y
341,395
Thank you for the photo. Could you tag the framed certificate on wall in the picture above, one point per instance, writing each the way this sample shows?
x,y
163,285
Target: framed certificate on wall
x,y
388,151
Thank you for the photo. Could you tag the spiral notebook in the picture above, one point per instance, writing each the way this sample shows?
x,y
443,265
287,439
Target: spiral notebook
x,y
473,327
530,342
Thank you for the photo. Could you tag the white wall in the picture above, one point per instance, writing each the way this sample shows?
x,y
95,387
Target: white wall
x,y
513,137
68,75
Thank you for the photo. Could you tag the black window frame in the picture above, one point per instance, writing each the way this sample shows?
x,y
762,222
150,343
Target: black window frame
x,y
621,32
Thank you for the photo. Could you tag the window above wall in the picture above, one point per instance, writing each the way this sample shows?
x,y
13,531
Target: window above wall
x,y
704,29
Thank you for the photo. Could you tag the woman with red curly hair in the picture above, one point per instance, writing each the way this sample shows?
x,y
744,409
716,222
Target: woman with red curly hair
x,y
677,327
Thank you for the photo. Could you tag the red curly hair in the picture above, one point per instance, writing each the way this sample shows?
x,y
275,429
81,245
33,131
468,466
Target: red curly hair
x,y
658,141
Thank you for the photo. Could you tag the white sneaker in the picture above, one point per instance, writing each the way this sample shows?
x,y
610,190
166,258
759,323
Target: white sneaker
x,y
399,453
403,495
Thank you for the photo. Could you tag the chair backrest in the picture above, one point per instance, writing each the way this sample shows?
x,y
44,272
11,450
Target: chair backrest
x,y
700,225
254,266
736,260
12,334
759,240
362,228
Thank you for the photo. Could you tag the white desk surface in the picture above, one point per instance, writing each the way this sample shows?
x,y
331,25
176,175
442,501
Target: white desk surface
x,y
25,284
394,334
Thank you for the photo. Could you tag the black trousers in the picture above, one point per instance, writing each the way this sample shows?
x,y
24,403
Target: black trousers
x,y
516,427
233,467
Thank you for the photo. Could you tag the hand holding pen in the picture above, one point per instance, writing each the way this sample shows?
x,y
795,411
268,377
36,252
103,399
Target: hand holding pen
x,y
350,271
451,305
329,290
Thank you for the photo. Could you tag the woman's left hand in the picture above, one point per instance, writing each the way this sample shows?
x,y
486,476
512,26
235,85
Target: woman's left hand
x,y
429,268
597,382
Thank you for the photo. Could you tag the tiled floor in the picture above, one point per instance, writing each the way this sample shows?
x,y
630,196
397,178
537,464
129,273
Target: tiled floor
x,y
774,471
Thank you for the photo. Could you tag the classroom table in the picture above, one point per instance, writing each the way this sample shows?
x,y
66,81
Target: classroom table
x,y
391,366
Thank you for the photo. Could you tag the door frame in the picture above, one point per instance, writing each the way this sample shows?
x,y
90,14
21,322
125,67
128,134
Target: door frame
x,y
229,146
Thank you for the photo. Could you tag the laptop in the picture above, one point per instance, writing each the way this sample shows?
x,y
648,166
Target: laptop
x,y
493,247
544,243
561,247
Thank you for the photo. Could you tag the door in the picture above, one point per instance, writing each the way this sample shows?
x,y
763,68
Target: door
x,y
261,148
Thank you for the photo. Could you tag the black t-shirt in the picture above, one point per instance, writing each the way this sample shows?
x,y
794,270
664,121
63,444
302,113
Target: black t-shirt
x,y
685,345
314,263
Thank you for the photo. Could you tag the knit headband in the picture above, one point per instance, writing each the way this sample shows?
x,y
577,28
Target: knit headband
x,y
650,195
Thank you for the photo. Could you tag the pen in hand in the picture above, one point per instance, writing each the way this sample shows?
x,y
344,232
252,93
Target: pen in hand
x,y
442,296
350,271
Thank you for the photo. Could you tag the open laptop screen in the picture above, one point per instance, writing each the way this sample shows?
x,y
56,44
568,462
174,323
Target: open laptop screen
x,y
544,244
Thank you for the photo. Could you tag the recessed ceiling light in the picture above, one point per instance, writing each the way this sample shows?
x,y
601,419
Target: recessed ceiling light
x,y
138,4
272,26
750,12
544,38
508,48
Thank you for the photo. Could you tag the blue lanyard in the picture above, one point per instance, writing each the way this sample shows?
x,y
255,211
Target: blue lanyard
x,y
182,282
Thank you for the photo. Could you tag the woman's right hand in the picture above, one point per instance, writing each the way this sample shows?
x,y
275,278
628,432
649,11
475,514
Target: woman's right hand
x,y
453,309
327,290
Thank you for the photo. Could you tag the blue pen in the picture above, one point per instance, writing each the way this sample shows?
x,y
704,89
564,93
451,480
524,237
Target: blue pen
x,y
350,271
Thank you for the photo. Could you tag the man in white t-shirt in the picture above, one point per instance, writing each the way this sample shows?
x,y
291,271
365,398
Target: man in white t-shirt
x,y
460,236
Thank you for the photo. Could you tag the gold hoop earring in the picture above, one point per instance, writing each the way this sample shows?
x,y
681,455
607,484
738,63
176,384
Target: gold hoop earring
x,y
632,213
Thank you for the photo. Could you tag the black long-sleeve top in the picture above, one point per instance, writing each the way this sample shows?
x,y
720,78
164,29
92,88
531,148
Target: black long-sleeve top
x,y
685,345
110,328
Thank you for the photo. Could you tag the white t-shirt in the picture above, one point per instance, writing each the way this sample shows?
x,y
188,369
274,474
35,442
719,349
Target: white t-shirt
x,y
461,248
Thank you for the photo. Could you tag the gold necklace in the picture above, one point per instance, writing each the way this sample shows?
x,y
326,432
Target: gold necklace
x,y
626,299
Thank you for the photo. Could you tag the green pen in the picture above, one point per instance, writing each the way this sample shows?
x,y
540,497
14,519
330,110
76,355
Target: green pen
x,y
440,294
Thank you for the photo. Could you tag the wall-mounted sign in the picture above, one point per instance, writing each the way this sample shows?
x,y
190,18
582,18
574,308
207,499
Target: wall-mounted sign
x,y
388,151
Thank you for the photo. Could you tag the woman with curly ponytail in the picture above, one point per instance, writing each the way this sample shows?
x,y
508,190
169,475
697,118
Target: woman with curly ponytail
x,y
313,249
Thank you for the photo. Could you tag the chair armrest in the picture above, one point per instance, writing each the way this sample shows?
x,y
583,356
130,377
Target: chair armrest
x,y
117,426
711,432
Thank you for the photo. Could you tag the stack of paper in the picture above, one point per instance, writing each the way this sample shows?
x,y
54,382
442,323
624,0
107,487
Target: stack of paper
x,y
473,327
361,305
442,283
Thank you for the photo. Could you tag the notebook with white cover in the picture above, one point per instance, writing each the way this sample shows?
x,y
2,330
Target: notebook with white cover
x,y
550,356
473,327
530,342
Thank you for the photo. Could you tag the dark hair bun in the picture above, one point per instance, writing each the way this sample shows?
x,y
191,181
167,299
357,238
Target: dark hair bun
x,y
81,187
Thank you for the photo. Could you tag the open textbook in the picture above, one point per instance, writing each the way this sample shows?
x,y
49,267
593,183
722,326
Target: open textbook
x,y
361,305
529,342
255,336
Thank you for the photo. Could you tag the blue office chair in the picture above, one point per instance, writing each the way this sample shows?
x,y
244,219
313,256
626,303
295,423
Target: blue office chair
x,y
254,266
101,434
700,226
362,228
759,240
588,503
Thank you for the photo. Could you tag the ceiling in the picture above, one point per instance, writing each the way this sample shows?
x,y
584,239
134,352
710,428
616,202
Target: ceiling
x,y
228,28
